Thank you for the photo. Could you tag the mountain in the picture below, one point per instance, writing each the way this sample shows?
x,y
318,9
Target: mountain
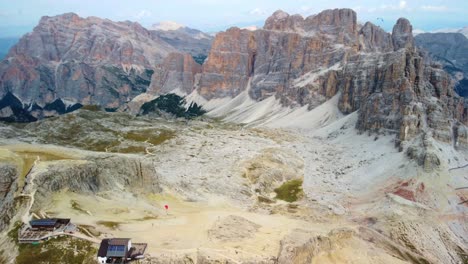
x,y
295,61
451,50
463,31
324,141
82,61
298,62
185,39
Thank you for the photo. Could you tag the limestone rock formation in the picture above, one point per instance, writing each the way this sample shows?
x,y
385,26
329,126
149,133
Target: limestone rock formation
x,y
8,187
301,62
81,60
177,72
402,35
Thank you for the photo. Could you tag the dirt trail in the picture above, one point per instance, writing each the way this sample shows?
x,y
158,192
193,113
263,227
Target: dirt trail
x,y
31,186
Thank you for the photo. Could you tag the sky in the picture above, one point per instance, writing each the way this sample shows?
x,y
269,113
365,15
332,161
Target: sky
x,y
18,17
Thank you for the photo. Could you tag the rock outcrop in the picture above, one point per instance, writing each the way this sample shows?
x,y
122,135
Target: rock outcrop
x,y
177,72
301,62
97,174
88,61
8,187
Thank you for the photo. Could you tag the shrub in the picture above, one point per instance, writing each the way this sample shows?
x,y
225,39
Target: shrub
x,y
290,191
174,105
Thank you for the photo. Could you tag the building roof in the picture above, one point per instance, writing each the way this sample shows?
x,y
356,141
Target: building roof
x,y
49,221
119,241
114,247
43,222
102,252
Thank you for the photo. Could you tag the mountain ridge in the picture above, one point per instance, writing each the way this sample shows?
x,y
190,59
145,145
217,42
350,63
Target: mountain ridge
x,y
300,61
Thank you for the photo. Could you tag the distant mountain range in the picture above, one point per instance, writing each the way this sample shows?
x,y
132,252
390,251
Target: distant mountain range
x,y
183,38
451,50
463,31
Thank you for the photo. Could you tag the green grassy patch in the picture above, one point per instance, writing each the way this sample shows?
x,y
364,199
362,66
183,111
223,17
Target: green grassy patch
x,y
129,149
155,137
109,224
59,250
3,259
13,233
290,191
77,207
92,108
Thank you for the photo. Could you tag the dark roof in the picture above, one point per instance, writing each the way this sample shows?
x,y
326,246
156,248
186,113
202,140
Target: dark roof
x,y
119,241
102,252
114,247
63,221
43,222
49,221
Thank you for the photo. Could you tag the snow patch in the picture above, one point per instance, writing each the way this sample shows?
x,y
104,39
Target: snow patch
x,y
312,76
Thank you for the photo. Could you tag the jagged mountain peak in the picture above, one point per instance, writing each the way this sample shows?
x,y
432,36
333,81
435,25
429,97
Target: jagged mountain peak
x,y
280,14
282,21
402,34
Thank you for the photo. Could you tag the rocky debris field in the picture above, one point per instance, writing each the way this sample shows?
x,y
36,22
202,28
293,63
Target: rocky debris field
x,y
235,194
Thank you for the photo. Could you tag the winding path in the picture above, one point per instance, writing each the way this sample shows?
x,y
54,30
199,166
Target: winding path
x,y
30,182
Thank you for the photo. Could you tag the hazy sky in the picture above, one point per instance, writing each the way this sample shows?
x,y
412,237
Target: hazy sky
x,y
20,16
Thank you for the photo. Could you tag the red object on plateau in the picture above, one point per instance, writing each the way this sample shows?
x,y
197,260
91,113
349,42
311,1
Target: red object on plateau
x,y
166,206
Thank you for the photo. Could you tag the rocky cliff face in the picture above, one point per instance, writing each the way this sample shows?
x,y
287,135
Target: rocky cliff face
x,y
8,187
307,61
451,51
177,72
300,61
81,60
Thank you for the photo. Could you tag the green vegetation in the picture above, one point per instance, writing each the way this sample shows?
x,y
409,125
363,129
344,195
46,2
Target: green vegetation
x,y
109,224
290,191
3,259
13,233
152,136
118,76
58,250
77,207
200,59
99,131
172,104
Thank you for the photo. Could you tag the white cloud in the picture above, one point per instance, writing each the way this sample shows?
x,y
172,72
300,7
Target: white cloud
x,y
143,14
258,12
434,8
402,5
